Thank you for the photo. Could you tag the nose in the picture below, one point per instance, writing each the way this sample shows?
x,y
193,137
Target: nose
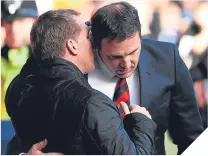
x,y
126,63
14,28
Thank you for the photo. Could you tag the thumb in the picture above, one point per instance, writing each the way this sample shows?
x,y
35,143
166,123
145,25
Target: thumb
x,y
125,108
36,148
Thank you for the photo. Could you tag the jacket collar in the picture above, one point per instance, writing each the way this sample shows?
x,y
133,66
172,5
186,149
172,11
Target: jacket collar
x,y
56,68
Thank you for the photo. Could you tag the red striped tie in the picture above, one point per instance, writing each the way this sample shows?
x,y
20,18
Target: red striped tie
x,y
121,94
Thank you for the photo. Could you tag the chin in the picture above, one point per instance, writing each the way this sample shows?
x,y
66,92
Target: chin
x,y
125,75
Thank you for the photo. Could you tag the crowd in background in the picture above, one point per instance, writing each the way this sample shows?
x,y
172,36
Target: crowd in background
x,y
183,23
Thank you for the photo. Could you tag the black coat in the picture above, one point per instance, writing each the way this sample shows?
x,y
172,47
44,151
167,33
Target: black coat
x,y
53,100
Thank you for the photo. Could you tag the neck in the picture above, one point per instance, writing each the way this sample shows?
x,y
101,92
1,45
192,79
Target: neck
x,y
75,63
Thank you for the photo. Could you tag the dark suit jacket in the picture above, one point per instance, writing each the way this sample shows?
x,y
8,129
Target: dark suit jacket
x,y
166,90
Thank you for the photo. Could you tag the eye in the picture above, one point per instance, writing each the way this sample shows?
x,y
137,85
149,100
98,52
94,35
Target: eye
x,y
114,57
132,53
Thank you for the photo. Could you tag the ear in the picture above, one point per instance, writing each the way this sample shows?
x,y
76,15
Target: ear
x,y
72,46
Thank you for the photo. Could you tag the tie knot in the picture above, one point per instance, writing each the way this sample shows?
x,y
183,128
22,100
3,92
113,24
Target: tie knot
x,y
120,83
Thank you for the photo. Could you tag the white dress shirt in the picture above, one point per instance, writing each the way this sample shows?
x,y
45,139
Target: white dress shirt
x,y
103,80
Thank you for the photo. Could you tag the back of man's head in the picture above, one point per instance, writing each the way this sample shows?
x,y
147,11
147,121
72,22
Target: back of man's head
x,y
115,21
50,32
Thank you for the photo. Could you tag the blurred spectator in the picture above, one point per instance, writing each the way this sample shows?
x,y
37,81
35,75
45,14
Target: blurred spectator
x,y
198,38
170,19
17,19
199,54
188,8
201,38
199,76
193,47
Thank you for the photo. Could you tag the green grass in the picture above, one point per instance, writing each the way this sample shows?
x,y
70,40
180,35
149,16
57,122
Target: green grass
x,y
171,149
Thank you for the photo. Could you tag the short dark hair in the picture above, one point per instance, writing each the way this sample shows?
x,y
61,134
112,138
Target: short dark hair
x,y
50,31
115,21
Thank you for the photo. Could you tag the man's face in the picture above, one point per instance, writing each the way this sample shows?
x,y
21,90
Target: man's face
x,y
18,32
85,48
121,57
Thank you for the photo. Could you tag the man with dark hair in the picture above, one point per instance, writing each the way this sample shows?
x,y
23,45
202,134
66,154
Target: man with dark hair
x,y
145,72
155,74
51,98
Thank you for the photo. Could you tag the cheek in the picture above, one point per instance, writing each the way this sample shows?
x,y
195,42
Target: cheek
x,y
8,32
134,61
135,58
84,46
113,64
88,44
87,47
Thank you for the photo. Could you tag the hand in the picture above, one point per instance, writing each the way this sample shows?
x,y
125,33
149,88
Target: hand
x,y
133,108
36,149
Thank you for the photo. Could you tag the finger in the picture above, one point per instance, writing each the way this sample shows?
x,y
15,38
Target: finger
x,y
125,108
148,114
132,106
39,146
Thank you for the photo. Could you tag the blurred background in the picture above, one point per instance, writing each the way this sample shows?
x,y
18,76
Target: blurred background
x,y
182,22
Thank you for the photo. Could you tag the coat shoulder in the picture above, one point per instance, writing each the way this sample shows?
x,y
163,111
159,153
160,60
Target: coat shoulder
x,y
155,43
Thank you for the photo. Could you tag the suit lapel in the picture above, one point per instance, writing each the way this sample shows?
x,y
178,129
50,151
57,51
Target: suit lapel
x,y
146,72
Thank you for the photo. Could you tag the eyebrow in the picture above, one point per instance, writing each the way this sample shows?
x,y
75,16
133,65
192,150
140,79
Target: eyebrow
x,y
112,55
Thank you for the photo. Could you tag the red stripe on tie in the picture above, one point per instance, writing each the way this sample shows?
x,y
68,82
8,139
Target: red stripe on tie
x,y
124,97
